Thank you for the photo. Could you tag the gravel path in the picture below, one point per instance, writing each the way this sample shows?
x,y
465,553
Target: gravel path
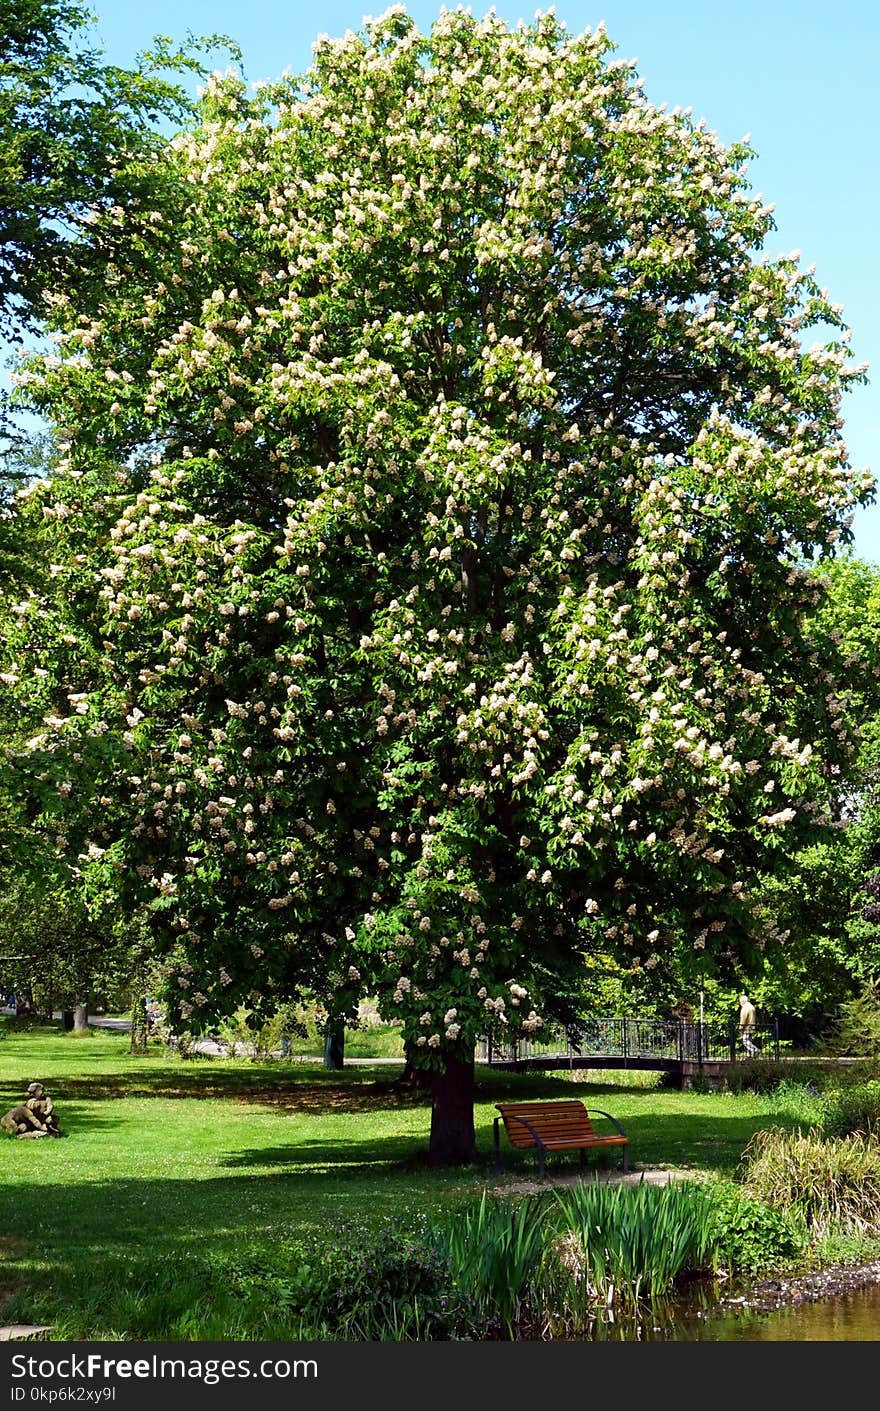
x,y
650,1175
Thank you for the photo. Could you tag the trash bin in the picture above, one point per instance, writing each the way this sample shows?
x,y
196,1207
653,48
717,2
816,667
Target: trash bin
x,y
67,1018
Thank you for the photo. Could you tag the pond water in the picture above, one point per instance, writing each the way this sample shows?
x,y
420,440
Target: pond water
x,y
850,1317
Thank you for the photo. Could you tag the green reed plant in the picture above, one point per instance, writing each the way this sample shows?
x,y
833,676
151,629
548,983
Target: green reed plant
x,y
495,1251
830,1184
635,1240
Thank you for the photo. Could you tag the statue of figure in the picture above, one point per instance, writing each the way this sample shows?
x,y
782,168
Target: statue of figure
x,y
35,1117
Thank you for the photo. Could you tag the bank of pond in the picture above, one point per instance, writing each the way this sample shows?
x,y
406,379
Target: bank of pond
x,y
689,1260
693,1259
686,1261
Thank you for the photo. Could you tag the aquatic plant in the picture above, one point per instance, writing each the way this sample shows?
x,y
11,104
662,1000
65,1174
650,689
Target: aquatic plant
x,y
635,1240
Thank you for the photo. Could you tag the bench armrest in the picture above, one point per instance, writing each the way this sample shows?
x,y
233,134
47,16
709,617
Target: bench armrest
x,y
613,1120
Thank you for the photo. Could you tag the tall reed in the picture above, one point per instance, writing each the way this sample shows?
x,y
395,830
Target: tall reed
x,y
831,1184
624,1243
495,1251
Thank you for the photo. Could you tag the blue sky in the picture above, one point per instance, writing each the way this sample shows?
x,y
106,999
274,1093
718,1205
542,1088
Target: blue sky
x,y
799,76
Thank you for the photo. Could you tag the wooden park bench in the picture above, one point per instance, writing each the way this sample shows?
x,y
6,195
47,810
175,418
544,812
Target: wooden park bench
x,y
554,1126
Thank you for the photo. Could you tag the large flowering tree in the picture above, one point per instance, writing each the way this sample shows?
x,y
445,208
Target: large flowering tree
x,y
427,595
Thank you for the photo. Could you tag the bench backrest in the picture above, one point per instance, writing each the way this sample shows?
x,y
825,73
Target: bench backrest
x,y
551,1121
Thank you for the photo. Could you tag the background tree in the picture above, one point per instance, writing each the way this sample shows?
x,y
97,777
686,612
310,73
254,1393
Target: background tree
x,y
818,901
69,125
855,1030
853,617
429,611
67,963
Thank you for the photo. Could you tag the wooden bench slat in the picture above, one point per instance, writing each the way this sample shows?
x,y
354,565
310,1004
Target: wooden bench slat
x,y
558,1126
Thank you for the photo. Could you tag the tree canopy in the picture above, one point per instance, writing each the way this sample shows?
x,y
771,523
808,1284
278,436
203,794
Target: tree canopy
x,y
69,125
428,594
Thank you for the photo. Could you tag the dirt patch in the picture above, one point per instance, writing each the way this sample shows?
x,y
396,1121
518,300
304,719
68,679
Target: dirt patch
x,y
335,1097
650,1175
12,1245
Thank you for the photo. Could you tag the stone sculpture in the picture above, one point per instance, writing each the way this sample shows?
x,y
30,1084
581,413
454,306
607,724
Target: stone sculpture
x,y
35,1117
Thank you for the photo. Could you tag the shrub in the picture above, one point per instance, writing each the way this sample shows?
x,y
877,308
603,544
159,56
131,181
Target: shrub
x,y
828,1185
856,1031
801,1102
699,1083
754,1075
764,1075
353,1283
747,1234
852,1109
243,1033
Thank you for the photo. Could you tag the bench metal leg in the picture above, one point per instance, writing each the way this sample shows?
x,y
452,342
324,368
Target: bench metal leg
x,y
540,1162
496,1135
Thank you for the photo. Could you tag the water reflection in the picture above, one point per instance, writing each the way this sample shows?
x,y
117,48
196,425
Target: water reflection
x,y
852,1317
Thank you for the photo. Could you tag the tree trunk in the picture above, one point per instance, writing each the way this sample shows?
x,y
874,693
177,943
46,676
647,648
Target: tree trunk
x,y
412,1078
81,1019
334,1044
138,1041
411,1075
453,1142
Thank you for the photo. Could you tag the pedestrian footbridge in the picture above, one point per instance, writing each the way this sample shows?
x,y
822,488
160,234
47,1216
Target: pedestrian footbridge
x,y
666,1045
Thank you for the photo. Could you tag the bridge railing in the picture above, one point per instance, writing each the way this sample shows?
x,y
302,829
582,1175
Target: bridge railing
x,y
627,1038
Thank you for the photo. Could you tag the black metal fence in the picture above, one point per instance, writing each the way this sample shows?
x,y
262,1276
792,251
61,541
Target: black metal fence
x,y
640,1040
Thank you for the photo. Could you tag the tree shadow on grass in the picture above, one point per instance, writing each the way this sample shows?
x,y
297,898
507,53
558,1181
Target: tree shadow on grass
x,y
392,1156
167,1216
133,1256
79,1117
303,1181
311,1092
303,1097
709,1144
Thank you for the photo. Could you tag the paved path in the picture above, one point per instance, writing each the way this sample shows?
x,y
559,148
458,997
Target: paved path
x,y
100,1022
636,1176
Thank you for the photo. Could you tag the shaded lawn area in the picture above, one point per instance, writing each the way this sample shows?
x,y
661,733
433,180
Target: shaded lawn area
x,y
168,1159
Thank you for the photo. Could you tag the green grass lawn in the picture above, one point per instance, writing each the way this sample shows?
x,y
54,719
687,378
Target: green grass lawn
x,y
171,1165
378,1041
